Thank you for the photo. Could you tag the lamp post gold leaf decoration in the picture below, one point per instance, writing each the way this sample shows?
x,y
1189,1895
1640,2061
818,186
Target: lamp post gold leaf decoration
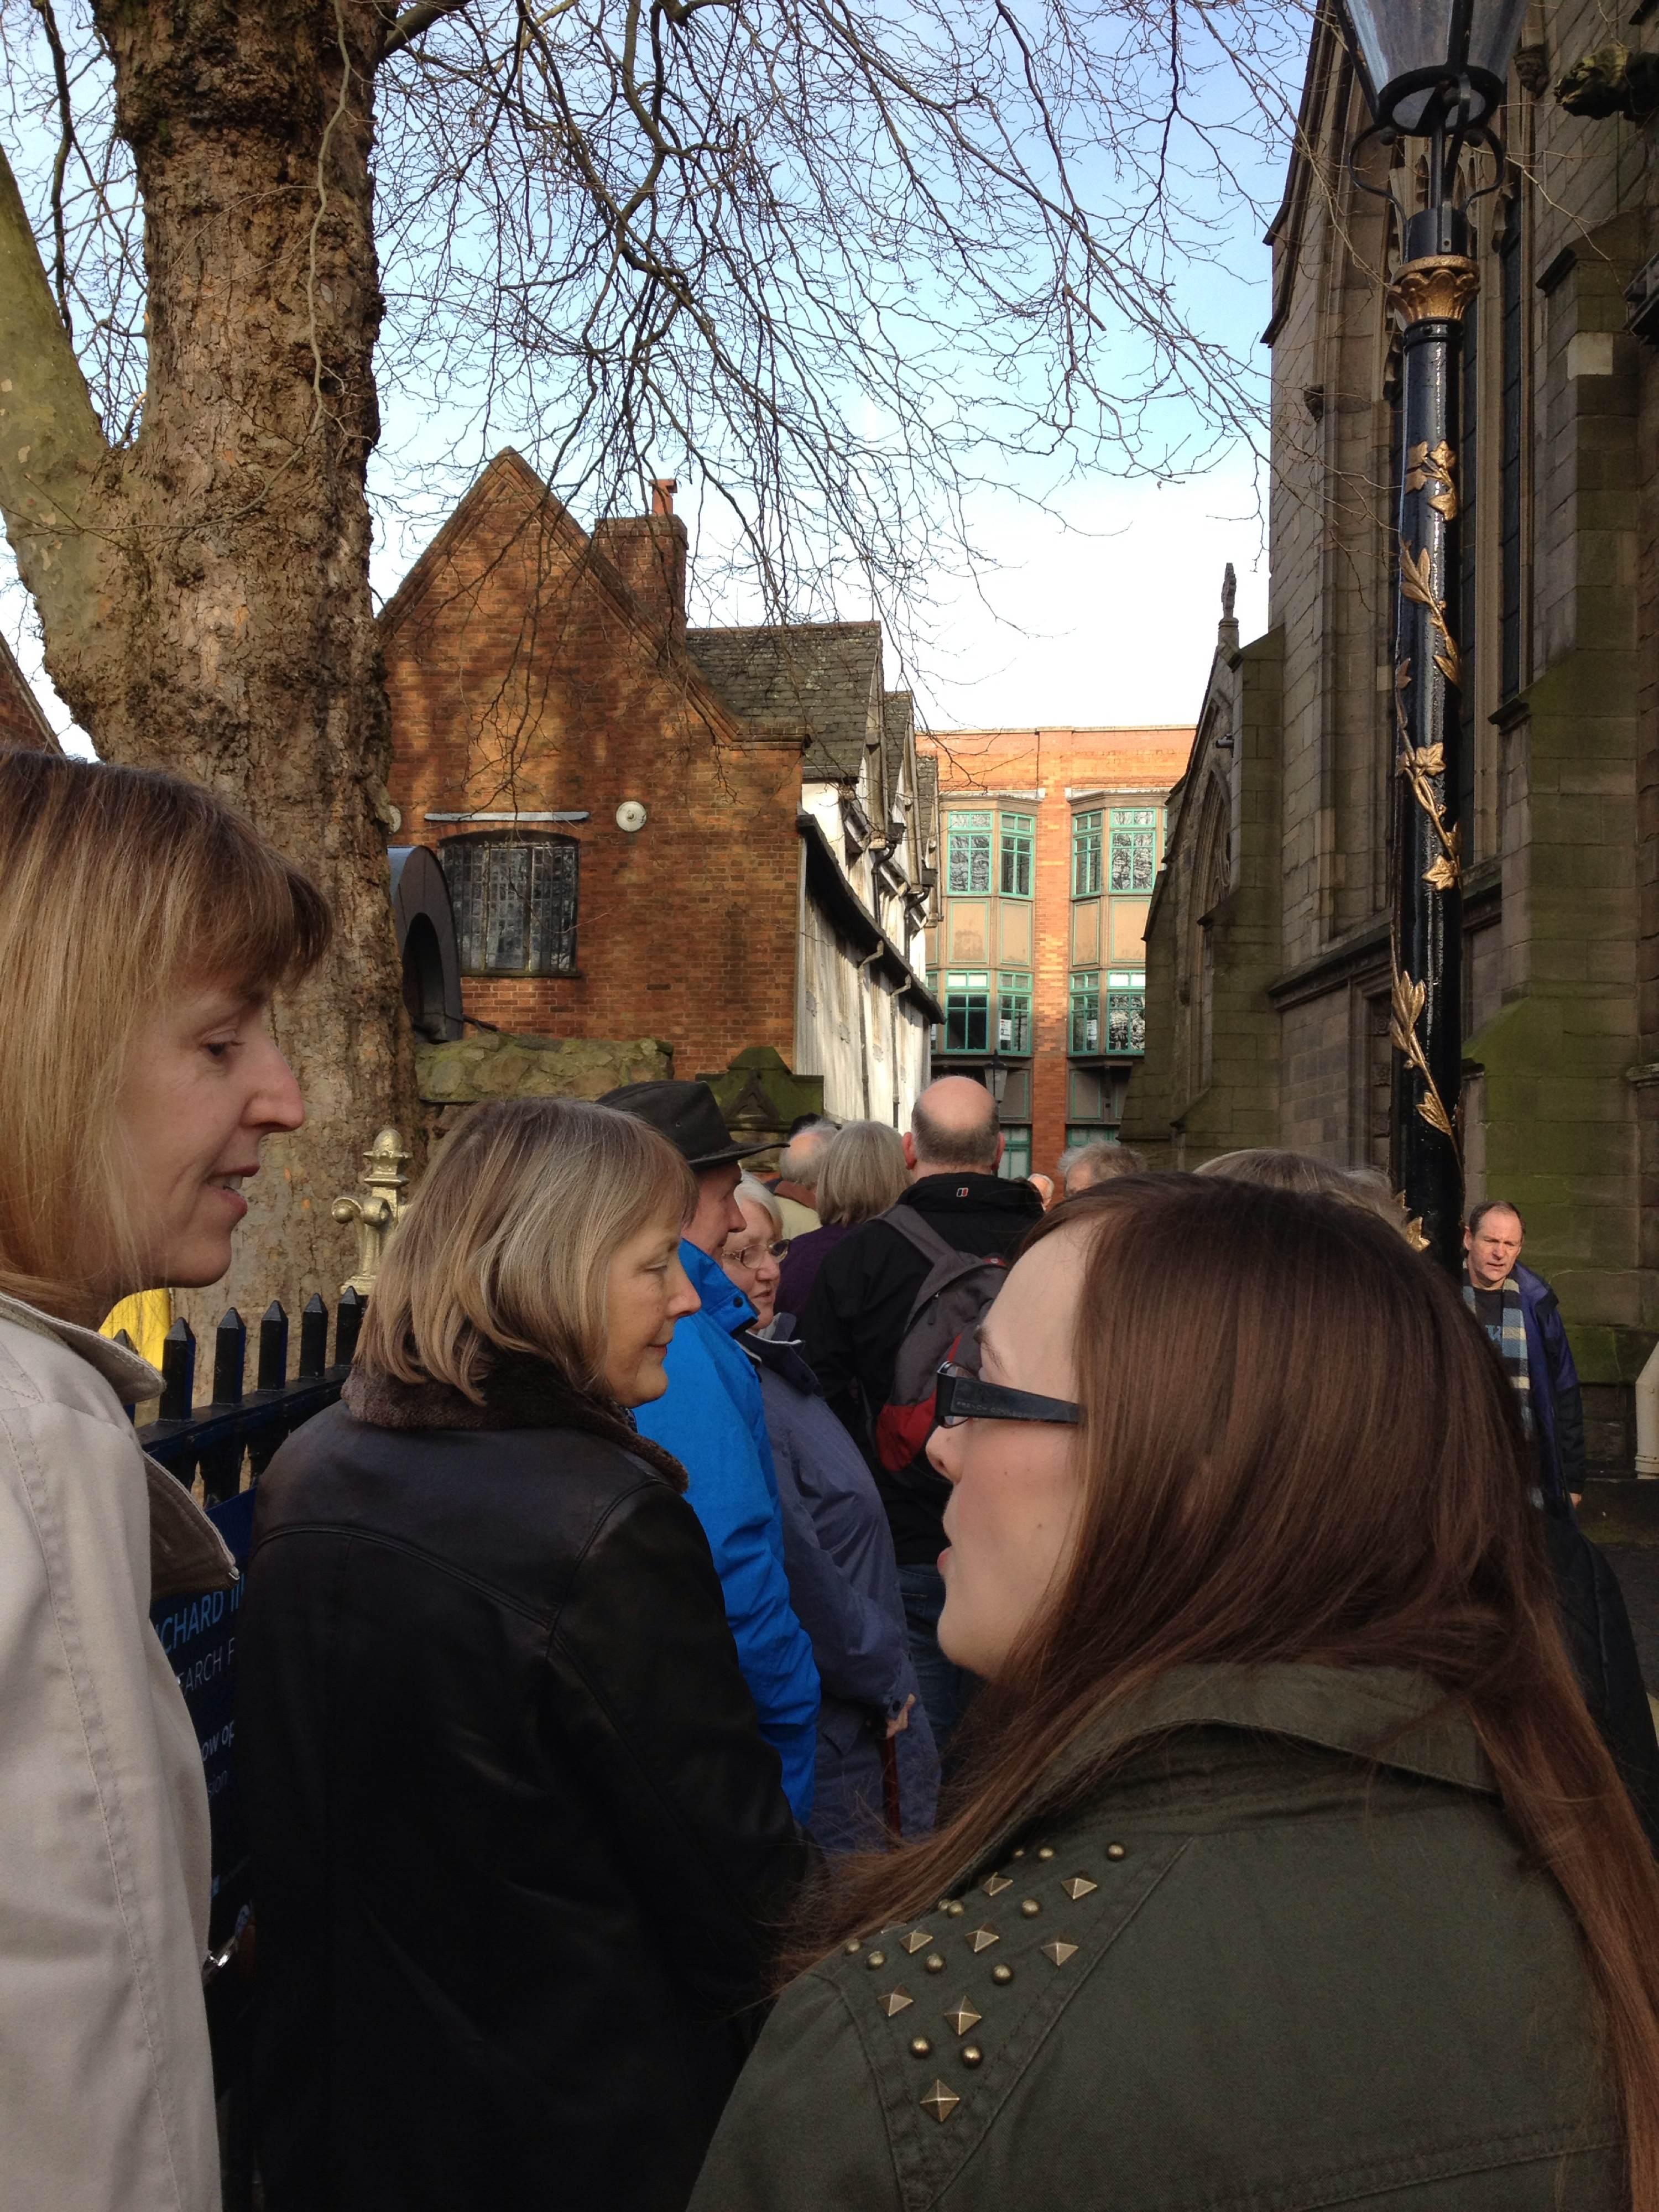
x,y
1435,73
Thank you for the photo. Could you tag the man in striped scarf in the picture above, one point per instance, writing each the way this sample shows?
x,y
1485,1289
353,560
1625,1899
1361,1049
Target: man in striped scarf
x,y
1518,1311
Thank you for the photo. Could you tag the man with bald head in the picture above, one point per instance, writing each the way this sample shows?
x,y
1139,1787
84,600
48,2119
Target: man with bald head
x,y
857,1315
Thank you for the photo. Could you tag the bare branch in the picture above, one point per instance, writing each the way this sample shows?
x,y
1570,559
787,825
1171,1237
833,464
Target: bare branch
x,y
414,21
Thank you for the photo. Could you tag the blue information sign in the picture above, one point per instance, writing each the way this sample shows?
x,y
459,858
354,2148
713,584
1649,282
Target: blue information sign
x,y
198,1635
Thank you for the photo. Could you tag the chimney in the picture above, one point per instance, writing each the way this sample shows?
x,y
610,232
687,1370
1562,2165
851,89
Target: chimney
x,y
648,552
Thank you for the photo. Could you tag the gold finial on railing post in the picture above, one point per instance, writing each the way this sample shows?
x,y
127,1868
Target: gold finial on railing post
x,y
377,1214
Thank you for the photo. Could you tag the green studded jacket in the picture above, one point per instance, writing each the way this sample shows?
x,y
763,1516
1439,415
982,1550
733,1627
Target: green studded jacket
x,y
1289,1957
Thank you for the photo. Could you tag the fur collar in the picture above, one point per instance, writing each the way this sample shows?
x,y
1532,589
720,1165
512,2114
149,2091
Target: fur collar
x,y
518,1393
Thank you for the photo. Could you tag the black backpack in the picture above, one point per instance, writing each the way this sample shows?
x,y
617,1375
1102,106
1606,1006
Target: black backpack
x,y
953,1299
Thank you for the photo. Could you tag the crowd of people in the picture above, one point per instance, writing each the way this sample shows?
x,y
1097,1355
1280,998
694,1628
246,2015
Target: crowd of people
x,y
879,1686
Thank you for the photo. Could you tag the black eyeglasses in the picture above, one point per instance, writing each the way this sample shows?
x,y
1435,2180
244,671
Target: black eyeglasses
x,y
959,1396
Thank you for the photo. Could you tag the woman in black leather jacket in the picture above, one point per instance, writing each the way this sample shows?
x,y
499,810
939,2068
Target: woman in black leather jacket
x,y
520,1848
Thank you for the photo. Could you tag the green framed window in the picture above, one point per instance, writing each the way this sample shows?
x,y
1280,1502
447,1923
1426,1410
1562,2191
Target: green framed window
x,y
1086,1010
1013,1013
1016,1155
1133,857
1019,837
1085,855
1126,1011
967,1012
968,852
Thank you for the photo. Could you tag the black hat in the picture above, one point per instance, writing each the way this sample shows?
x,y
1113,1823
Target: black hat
x,y
688,1115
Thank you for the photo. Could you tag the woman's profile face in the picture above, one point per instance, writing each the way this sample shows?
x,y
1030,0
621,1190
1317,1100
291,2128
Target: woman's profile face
x,y
1015,1490
206,1085
746,1257
646,1291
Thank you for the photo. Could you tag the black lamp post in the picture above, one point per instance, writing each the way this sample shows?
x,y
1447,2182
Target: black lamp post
x,y
1439,68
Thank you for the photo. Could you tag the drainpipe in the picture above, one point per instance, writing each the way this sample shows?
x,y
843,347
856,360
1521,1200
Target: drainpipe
x,y
1647,1417
864,966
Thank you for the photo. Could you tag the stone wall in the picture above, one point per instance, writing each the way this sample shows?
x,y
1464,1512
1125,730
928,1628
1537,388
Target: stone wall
x,y
494,1065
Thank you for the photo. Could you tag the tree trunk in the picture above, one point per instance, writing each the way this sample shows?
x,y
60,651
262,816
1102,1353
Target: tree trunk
x,y
206,609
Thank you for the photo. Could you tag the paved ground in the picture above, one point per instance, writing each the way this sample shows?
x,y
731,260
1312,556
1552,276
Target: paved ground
x,y
1638,1569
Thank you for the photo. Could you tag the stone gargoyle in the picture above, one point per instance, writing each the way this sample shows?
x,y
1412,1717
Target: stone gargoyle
x,y
1614,80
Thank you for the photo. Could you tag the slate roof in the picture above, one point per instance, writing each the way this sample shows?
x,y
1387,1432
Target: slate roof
x,y
927,807
817,678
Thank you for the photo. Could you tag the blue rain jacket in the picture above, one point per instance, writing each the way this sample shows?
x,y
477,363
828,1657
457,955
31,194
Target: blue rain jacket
x,y
711,1419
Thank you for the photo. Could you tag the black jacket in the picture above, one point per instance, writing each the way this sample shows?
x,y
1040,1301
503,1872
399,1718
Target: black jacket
x,y
1603,1651
855,1318
521,1845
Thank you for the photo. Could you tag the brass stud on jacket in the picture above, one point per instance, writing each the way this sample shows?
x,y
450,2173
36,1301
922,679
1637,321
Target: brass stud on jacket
x,y
972,2054
917,1939
980,1939
921,2047
1003,1974
998,1882
1030,1908
1059,1952
876,1958
961,2016
1117,1851
940,2102
895,2001
933,1963
1079,1885
1047,1851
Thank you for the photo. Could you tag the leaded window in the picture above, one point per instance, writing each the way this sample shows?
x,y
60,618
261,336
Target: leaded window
x,y
967,1012
1085,855
1126,1012
1085,1010
968,852
1018,830
1013,1013
514,901
1134,847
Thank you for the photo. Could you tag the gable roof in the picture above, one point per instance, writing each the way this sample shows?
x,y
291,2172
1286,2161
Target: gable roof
x,y
816,680
22,722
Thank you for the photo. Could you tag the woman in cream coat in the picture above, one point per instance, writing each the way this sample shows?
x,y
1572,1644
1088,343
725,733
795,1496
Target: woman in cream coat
x,y
143,927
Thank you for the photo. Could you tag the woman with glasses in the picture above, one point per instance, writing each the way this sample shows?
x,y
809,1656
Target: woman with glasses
x,y
877,1768
1288,1867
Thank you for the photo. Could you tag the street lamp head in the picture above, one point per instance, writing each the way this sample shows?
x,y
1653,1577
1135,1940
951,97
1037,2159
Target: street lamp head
x,y
1415,49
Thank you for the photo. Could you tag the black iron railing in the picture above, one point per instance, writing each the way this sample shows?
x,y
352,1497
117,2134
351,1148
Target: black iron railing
x,y
240,1427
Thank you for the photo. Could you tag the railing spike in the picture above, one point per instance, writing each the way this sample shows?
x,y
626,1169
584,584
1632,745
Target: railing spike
x,y
229,1357
177,1371
348,1321
313,1340
273,1347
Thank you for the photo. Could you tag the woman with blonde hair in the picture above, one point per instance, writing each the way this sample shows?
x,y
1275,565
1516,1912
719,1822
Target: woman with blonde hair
x,y
1288,1865
143,928
519,1841
862,1173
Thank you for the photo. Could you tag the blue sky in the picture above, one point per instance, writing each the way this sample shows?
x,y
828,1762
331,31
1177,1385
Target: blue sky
x,y
1098,598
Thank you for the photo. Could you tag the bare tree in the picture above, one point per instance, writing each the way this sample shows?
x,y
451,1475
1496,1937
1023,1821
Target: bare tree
x,y
842,265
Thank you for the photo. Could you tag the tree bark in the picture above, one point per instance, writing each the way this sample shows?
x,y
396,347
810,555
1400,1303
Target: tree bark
x,y
205,593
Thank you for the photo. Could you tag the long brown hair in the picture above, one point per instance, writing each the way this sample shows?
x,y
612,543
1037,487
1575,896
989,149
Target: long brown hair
x,y
1298,1446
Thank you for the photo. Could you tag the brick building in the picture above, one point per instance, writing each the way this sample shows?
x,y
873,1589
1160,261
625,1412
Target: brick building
x,y
1268,941
711,837
1049,844
21,722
